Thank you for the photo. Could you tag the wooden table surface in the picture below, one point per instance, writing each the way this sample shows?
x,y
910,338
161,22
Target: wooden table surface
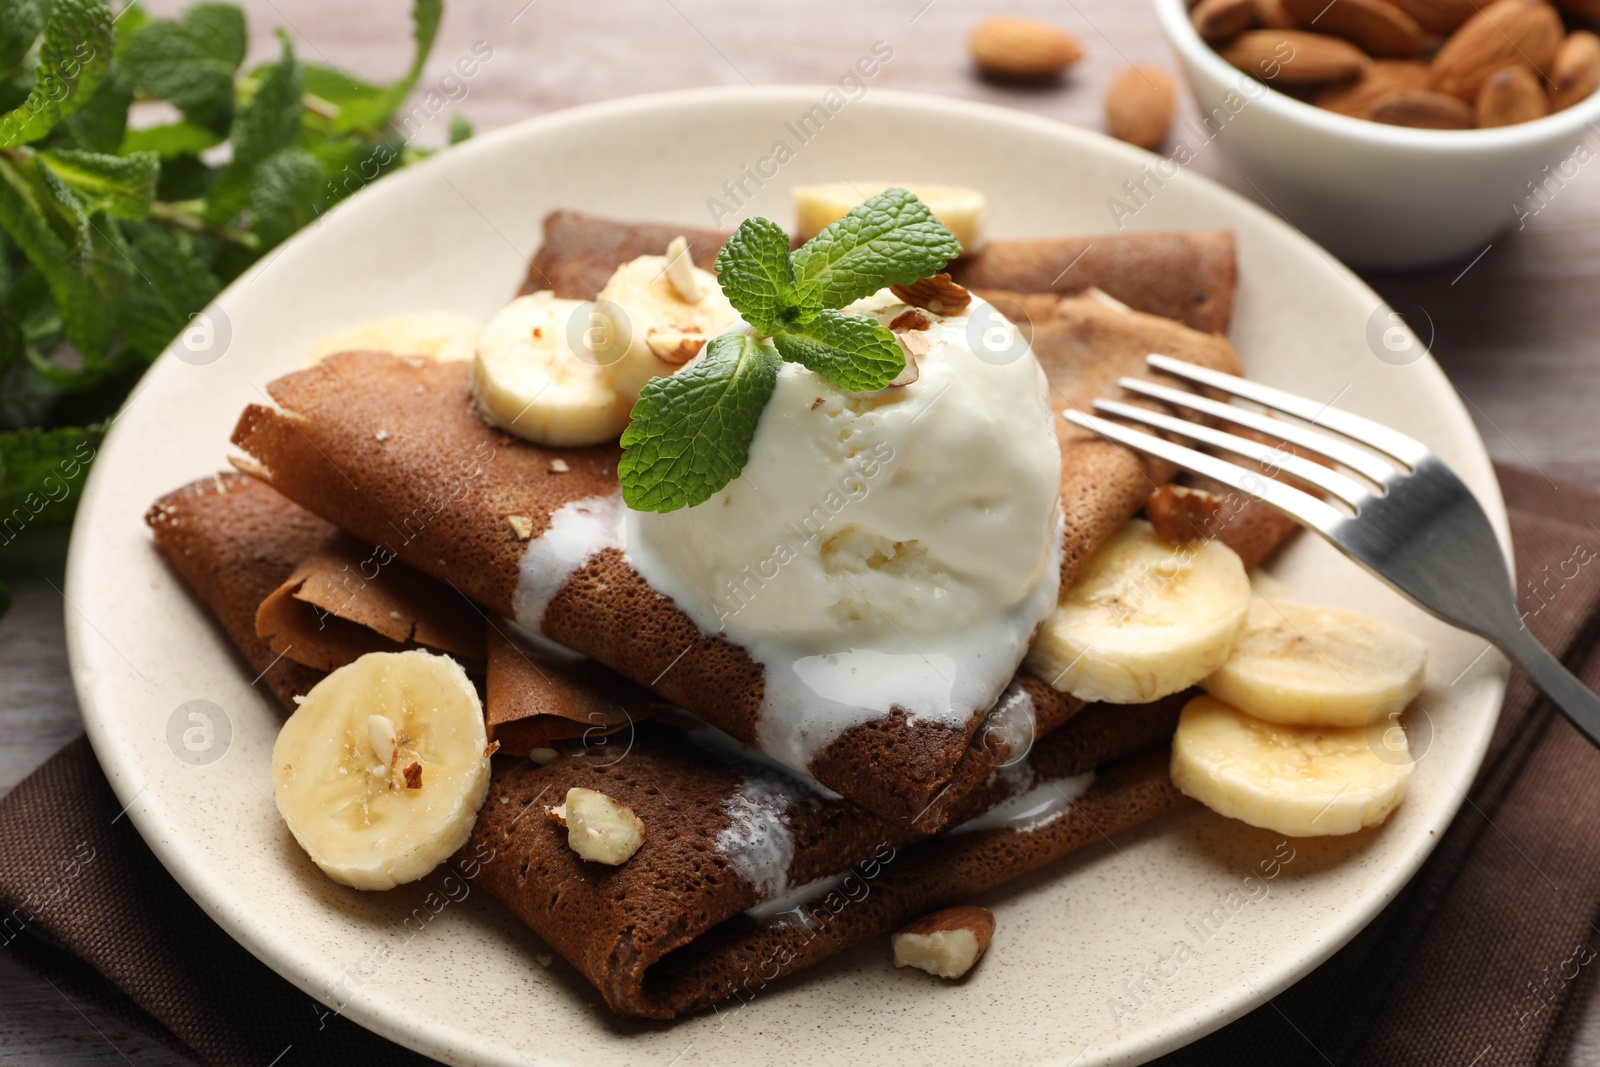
x,y
1515,330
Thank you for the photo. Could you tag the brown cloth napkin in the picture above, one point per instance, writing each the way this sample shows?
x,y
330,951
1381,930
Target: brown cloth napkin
x,y
1486,958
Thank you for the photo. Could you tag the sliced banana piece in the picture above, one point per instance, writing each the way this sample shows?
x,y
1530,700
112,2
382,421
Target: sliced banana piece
x,y
382,769
672,309
529,380
1319,666
1304,781
441,335
1143,618
963,210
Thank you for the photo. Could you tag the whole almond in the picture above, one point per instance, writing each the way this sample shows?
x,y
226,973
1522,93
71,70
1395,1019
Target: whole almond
x,y
1220,20
1272,15
1022,49
1378,82
1511,95
1377,26
1439,16
1507,32
1425,109
1575,73
1139,106
1295,57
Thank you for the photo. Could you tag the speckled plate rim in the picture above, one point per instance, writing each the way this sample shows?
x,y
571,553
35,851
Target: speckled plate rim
x,y
104,684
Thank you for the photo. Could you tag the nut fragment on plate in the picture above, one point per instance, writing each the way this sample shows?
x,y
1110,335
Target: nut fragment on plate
x,y
1425,109
1022,49
1378,27
1139,106
1504,33
939,294
1511,95
1295,57
1575,71
946,943
599,829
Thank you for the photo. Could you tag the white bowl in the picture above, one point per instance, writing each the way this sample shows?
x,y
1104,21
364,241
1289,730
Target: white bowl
x,y
1375,195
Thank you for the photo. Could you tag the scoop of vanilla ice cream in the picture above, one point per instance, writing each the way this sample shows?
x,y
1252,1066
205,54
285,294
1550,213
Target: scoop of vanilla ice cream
x,y
881,553
920,508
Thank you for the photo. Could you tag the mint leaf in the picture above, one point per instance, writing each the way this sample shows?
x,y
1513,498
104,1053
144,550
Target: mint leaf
x,y
691,431
460,128
73,57
178,139
42,472
266,122
82,264
191,63
100,124
21,22
121,186
172,284
288,191
753,270
851,351
363,106
891,239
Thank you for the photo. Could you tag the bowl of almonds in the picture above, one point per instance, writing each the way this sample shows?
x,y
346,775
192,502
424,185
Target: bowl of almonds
x,y
1398,133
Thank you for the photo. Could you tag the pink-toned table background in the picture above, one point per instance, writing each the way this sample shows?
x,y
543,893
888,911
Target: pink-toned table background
x,y
1516,329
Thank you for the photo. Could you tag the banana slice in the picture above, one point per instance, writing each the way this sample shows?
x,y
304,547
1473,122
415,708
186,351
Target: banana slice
x,y
672,309
441,335
1304,781
1319,666
963,211
1143,618
529,380
382,769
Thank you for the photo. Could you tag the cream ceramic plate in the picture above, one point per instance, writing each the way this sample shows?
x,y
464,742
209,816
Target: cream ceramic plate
x,y
1083,969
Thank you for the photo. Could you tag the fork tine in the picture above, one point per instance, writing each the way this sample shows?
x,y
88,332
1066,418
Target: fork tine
x,y
1325,445
1298,505
1324,478
1407,450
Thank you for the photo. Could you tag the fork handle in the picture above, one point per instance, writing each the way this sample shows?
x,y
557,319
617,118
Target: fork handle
x,y
1561,686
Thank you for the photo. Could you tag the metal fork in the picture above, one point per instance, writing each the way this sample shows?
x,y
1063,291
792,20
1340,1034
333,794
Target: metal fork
x,y
1421,530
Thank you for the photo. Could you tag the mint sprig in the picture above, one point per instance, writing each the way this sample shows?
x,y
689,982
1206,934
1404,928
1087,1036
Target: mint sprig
x,y
690,432
111,239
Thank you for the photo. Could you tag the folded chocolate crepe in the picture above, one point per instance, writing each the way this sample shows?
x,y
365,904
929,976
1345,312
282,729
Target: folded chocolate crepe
x,y
747,874
537,540
237,544
535,696
231,537
233,540
1189,277
348,599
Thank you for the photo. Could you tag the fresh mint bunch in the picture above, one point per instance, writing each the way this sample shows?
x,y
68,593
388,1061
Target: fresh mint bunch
x,y
111,239
690,433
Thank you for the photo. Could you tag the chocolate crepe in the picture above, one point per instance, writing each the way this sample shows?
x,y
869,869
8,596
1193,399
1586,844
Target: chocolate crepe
x,y
1189,277
669,931
403,430
534,697
233,541
348,599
